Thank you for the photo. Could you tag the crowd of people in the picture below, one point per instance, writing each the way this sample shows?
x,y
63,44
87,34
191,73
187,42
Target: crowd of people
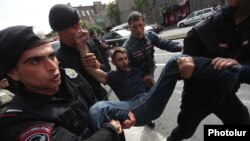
x,y
59,95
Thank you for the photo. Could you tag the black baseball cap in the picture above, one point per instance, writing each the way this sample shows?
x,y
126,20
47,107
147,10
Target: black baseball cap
x,y
62,16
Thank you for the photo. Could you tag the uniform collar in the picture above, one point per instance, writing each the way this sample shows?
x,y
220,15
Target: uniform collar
x,y
67,47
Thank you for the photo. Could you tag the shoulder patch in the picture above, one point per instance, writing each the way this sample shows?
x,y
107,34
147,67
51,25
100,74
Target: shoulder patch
x,y
71,73
36,133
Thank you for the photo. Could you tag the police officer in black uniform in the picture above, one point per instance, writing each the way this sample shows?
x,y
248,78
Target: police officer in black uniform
x,y
65,20
225,37
96,46
52,104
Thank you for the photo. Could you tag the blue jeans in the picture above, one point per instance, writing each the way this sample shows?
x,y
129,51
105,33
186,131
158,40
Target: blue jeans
x,y
149,106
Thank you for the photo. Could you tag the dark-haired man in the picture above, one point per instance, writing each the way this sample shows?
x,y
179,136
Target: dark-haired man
x,y
140,46
52,103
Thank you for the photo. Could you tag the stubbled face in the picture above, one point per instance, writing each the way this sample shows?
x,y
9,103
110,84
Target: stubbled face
x,y
37,69
137,28
121,62
67,35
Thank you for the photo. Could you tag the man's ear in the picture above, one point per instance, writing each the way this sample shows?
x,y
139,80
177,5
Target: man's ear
x,y
13,74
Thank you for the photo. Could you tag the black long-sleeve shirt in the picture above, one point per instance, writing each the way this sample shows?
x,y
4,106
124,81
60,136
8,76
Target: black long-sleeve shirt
x,y
244,76
218,37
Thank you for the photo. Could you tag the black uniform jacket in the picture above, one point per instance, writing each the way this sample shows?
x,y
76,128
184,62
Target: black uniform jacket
x,y
60,117
217,36
69,58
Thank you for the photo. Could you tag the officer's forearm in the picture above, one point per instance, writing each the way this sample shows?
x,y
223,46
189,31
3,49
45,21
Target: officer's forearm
x,y
83,50
94,69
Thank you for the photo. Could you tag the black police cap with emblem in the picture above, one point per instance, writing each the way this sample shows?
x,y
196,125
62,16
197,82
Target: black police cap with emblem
x,y
14,41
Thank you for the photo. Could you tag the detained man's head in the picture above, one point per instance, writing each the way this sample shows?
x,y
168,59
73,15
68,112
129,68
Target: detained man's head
x,y
29,59
120,59
136,24
66,21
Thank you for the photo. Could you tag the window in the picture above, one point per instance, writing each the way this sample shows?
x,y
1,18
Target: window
x,y
83,14
108,36
207,10
87,12
199,13
190,16
115,35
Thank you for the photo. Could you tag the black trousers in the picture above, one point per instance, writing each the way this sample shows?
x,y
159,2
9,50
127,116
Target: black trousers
x,y
193,110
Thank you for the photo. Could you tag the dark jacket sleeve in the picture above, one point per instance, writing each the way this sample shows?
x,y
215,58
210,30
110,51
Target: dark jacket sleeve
x,y
165,44
107,133
244,76
193,45
53,132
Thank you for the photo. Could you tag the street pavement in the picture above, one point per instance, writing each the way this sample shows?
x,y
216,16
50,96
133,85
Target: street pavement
x,y
175,33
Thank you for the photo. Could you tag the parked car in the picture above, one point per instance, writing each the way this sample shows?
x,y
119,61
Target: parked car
x,y
196,17
116,38
119,27
156,28
55,45
148,28
125,26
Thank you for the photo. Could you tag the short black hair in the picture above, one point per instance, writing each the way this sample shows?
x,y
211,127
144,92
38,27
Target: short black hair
x,y
134,16
91,32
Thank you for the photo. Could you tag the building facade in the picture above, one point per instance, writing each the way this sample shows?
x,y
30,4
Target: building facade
x,y
125,7
92,14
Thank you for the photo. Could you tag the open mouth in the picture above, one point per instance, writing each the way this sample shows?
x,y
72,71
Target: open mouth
x,y
56,77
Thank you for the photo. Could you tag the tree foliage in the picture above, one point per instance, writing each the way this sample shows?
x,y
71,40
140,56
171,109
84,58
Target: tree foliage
x,y
52,34
113,13
88,26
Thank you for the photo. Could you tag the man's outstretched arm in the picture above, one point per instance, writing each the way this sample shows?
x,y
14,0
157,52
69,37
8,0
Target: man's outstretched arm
x,y
90,63
89,60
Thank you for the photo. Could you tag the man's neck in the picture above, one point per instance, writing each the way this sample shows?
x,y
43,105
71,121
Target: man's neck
x,y
124,71
47,92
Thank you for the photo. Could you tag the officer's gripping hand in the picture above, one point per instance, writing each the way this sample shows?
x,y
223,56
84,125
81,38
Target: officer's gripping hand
x,y
81,37
186,66
117,126
89,60
129,122
222,63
